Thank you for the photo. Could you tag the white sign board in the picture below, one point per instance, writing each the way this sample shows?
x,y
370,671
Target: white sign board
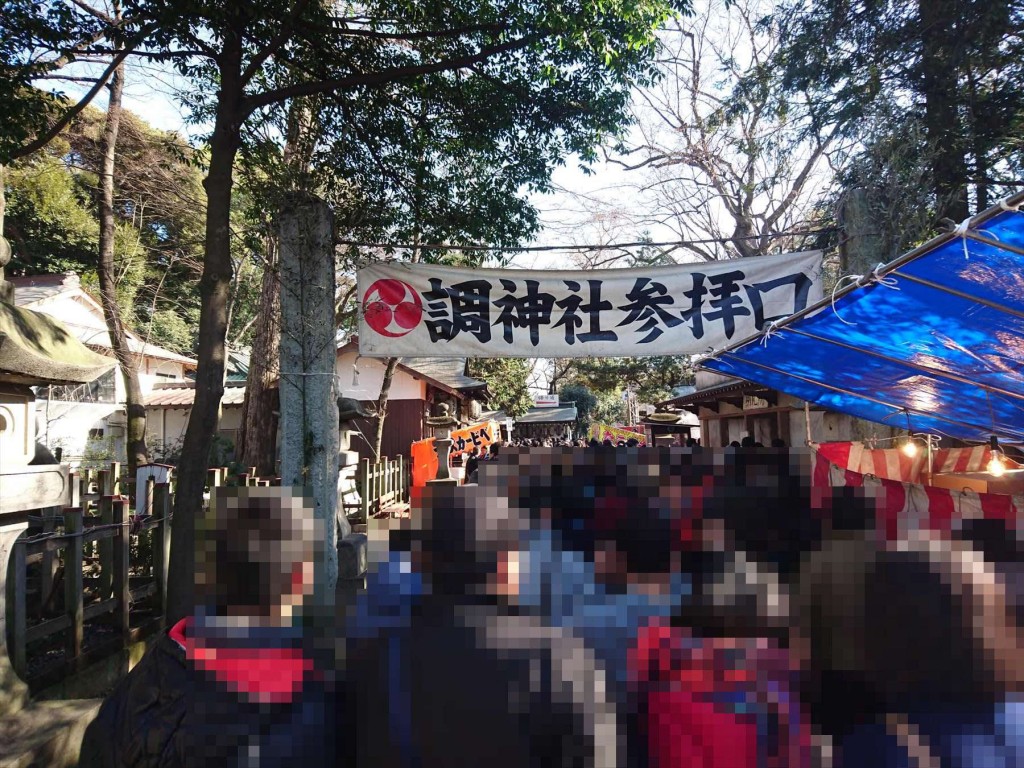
x,y
545,401
418,309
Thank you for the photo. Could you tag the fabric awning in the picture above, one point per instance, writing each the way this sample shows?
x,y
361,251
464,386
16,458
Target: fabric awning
x,y
932,342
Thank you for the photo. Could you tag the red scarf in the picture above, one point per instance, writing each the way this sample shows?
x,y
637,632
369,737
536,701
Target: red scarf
x,y
262,675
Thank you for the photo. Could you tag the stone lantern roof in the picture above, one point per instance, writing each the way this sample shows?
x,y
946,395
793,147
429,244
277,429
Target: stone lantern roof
x,y
35,348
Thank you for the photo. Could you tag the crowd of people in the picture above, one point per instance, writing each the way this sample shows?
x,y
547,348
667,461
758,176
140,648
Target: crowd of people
x,y
646,607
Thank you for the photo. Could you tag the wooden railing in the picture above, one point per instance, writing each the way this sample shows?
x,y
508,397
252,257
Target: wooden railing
x,y
91,577
381,485
66,535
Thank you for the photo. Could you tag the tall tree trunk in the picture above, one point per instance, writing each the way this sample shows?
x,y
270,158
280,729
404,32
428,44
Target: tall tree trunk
x,y
978,144
382,405
257,445
939,73
135,408
6,289
389,370
214,290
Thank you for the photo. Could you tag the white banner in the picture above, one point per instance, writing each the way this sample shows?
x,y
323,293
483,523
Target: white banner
x,y
417,309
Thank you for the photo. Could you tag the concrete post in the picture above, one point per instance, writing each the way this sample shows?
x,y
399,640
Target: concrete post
x,y
309,415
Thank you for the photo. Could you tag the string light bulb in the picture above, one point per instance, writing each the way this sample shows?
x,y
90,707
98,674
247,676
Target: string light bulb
x,y
909,447
997,464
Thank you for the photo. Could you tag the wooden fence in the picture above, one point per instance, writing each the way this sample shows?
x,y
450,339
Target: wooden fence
x,y
381,485
58,547
91,577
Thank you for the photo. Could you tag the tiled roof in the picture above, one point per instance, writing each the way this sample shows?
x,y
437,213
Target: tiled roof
x,y
183,394
713,393
565,413
29,291
447,370
450,371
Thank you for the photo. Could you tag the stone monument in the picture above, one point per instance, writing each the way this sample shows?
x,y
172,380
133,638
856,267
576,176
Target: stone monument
x,y
352,547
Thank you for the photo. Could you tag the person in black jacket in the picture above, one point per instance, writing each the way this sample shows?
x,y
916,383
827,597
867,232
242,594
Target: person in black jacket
x,y
237,682
458,680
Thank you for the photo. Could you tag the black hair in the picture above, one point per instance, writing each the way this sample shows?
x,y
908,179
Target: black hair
x,y
925,644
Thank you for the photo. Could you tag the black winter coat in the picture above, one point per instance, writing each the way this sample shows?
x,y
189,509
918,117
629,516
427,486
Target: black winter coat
x,y
167,714
469,687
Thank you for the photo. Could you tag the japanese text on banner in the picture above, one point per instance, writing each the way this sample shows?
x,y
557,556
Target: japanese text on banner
x,y
687,309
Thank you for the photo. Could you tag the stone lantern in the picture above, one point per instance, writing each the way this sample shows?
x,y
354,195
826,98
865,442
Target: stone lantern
x,y
442,424
34,350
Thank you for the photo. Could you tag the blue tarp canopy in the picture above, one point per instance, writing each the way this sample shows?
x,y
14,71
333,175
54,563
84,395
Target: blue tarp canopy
x,y
932,342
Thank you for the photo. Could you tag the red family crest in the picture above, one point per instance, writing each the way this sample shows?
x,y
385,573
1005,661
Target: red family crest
x,y
392,308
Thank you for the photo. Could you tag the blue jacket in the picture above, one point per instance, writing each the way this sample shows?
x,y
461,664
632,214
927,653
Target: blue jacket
x,y
561,587
993,739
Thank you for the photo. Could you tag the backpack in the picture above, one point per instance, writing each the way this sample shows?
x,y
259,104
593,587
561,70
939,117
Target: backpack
x,y
704,702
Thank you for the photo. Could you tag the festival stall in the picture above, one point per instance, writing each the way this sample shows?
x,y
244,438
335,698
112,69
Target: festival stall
x,y
602,432
464,441
903,507
932,343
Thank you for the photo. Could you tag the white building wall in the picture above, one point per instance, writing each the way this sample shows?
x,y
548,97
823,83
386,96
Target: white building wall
x,y
367,385
85,432
76,427
165,427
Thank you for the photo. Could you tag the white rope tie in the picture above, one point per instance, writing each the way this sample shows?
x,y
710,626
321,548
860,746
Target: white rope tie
x,y
769,330
887,281
1005,205
839,282
961,231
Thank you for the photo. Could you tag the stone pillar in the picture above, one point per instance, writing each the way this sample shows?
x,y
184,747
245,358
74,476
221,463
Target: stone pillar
x,y
348,464
309,415
13,692
863,248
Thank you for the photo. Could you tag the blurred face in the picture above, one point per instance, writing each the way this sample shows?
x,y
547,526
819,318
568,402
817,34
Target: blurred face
x,y
610,564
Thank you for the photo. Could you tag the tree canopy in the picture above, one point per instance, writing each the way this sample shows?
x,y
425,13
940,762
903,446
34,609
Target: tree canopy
x,y
506,379
955,66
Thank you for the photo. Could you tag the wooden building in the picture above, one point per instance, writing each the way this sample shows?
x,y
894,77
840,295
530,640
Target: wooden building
x,y
418,386
731,409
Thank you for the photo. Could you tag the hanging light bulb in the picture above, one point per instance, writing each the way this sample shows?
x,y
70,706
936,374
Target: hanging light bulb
x,y
997,464
909,448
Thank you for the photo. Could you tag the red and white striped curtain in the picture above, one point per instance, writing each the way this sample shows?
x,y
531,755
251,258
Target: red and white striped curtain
x,y
904,506
893,464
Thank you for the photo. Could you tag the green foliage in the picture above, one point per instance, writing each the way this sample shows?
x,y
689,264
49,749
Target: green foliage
x,y
174,330
27,30
585,401
506,379
954,68
49,219
51,222
610,408
652,378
